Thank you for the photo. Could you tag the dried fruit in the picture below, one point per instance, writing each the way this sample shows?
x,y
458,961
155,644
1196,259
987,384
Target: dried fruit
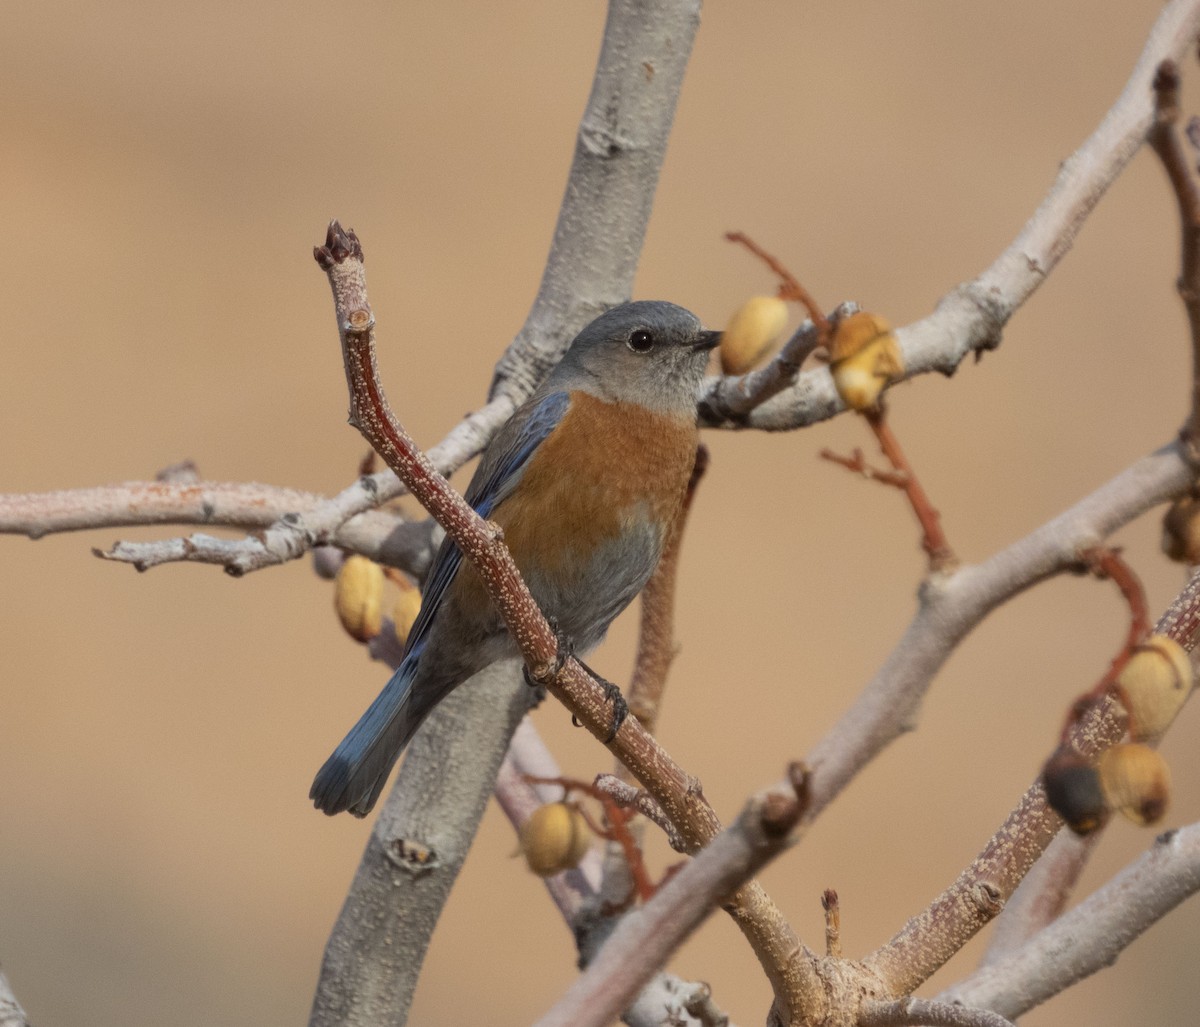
x,y
1136,782
1153,686
404,614
750,333
1073,791
1181,530
358,597
554,838
863,358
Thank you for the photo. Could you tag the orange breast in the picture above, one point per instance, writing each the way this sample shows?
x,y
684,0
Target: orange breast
x,y
607,468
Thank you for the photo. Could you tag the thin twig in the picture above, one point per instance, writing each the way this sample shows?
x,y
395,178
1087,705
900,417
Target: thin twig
x,y
1164,138
1107,563
833,923
789,287
727,400
856,462
656,648
933,538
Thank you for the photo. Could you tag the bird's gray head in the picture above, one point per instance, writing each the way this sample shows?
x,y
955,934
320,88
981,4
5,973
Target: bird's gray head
x,y
650,353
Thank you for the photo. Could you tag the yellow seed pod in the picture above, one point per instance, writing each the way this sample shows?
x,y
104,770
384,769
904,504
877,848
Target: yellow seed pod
x,y
358,597
1153,686
863,358
408,605
1181,530
751,332
1136,782
554,838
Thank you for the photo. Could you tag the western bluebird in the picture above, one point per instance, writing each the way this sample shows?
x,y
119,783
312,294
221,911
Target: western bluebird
x,y
585,480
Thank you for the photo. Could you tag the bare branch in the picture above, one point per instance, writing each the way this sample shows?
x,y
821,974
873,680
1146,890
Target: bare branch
x,y
646,937
229,504
933,538
416,849
638,799
1093,934
618,153
931,937
952,605
1164,138
923,1012
11,1013
1042,895
728,399
971,317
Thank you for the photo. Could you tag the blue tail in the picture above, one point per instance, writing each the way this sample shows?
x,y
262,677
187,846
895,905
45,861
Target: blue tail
x,y
355,774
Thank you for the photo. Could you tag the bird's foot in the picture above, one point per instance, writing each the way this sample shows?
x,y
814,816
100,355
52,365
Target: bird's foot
x,y
612,693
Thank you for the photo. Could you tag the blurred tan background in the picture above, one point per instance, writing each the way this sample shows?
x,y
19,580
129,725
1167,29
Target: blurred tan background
x,y
166,172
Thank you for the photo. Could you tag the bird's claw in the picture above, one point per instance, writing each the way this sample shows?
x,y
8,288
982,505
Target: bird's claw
x,y
612,694
620,708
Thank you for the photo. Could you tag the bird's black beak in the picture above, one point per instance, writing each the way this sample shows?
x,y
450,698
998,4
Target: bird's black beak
x,y
707,340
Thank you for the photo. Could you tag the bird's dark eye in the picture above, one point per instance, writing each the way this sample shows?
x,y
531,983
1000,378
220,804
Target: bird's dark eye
x,y
641,341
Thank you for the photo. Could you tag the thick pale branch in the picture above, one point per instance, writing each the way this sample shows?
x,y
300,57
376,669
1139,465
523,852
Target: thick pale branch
x,y
972,316
11,1013
922,1012
931,937
1093,934
1042,895
229,504
619,150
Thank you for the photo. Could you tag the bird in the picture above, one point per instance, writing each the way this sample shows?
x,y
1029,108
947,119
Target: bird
x,y
585,480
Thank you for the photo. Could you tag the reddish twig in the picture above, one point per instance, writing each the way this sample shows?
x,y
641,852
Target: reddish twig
x,y
933,540
903,477
857,463
617,831
789,287
1165,140
1107,563
656,634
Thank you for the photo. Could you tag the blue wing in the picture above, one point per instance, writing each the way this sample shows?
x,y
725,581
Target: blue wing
x,y
355,774
496,476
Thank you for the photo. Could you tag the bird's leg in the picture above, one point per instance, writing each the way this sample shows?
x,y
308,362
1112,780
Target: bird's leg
x,y
612,693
